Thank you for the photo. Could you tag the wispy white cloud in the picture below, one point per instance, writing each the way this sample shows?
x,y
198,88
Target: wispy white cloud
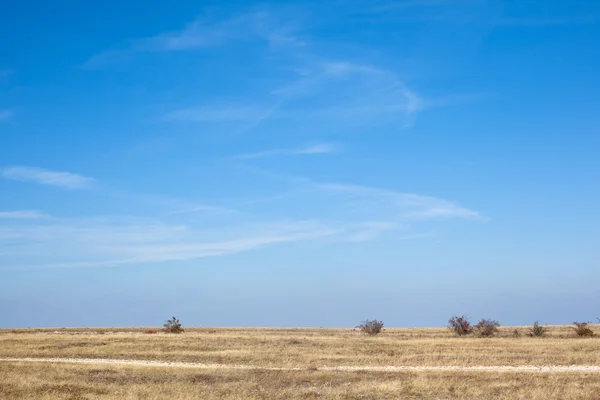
x,y
5,115
193,36
409,206
349,94
107,58
259,118
464,12
370,230
338,93
359,204
23,214
339,213
343,92
321,148
344,68
204,32
100,242
46,177
387,6
414,236
244,117
215,113
203,208
542,22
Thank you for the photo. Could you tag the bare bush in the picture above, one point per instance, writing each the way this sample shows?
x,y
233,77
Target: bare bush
x,y
582,329
371,327
173,326
537,330
486,327
516,333
460,325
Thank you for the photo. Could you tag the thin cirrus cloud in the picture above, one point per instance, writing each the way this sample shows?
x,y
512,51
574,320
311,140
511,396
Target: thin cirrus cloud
x,y
245,117
381,91
409,206
371,230
193,36
98,242
22,214
543,22
339,93
345,213
203,208
321,148
463,12
347,94
41,176
203,33
278,27
214,113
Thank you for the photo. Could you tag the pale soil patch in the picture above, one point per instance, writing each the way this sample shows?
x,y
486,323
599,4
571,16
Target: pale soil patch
x,y
378,368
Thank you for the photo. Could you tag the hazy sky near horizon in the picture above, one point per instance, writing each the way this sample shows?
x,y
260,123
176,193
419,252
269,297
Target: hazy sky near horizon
x,y
299,163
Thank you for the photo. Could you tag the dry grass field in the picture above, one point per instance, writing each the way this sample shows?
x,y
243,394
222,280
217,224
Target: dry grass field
x,y
295,364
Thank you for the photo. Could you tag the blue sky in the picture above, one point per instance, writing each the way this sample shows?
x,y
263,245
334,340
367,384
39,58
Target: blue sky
x,y
299,163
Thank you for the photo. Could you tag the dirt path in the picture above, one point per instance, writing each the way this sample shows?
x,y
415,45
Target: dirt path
x,y
506,368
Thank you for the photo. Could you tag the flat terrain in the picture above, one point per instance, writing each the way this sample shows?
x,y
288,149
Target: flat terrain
x,y
207,363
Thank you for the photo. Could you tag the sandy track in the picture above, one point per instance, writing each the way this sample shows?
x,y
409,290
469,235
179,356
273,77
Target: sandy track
x,y
390,368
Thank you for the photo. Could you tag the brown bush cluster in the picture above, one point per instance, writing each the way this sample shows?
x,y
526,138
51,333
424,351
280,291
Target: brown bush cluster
x,y
582,329
371,327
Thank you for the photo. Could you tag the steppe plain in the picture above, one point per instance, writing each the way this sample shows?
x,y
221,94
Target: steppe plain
x,y
256,363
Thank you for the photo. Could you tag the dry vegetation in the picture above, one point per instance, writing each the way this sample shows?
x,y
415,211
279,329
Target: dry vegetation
x,y
303,348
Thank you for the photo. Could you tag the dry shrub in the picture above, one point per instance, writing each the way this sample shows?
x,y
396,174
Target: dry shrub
x,y
371,327
173,326
582,329
486,327
460,325
150,332
537,330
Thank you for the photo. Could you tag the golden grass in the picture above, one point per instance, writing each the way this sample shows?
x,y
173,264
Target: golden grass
x,y
302,347
294,348
45,382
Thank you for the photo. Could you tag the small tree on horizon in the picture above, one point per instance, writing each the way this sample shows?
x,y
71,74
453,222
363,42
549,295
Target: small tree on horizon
x,y
173,326
537,330
371,327
487,327
582,329
460,325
